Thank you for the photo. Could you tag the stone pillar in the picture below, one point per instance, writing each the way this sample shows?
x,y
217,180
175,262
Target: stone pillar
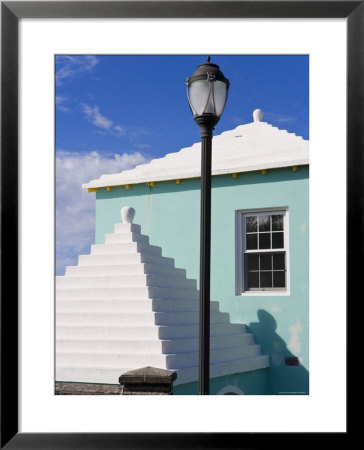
x,y
147,381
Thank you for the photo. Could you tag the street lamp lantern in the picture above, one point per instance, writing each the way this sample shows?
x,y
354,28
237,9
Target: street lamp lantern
x,y
207,91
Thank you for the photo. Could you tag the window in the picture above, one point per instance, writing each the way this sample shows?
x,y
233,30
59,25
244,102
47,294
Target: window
x,y
262,251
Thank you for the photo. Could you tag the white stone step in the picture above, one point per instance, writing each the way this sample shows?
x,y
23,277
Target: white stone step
x,y
121,346
127,228
96,360
192,330
110,375
128,293
111,260
150,345
170,361
121,238
118,306
142,319
72,331
126,248
110,281
180,360
190,374
216,342
90,375
124,269
136,331
247,364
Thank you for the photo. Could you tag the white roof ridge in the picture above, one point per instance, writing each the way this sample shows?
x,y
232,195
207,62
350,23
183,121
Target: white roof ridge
x,y
254,141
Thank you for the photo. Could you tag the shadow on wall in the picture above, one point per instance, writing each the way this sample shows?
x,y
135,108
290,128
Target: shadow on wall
x,y
286,376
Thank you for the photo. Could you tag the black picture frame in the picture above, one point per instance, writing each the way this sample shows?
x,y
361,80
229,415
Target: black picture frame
x,y
11,12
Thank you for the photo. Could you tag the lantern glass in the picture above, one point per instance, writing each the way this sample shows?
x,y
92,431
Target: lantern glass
x,y
198,94
207,97
220,96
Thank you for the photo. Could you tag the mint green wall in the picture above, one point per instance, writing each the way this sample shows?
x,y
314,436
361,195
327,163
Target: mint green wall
x,y
170,215
251,383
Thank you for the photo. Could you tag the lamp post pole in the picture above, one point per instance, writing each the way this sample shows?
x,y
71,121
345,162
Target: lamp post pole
x,y
205,260
207,92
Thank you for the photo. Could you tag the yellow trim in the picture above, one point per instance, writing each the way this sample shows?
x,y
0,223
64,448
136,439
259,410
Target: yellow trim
x,y
109,188
179,181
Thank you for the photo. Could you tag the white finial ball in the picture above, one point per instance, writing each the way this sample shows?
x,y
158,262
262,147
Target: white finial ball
x,y
127,214
257,115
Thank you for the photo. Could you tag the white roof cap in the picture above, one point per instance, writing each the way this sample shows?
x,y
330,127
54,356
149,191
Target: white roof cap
x,y
254,146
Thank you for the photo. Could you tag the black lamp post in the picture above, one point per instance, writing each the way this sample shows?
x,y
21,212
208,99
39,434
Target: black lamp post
x,y
207,91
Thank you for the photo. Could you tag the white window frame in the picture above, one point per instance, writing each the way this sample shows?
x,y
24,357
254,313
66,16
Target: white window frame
x,y
240,246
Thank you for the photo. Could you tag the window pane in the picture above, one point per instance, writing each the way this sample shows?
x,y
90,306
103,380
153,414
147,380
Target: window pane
x,y
253,280
279,279
277,240
252,262
277,222
251,241
279,261
266,262
251,224
264,240
265,279
264,223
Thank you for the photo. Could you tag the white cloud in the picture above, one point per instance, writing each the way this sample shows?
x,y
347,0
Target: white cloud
x,y
68,66
237,120
60,101
279,118
75,207
92,113
119,130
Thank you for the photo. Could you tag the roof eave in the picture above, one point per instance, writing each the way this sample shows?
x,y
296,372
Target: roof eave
x,y
194,174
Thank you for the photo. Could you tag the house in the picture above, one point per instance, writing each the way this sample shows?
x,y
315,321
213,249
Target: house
x,y
259,258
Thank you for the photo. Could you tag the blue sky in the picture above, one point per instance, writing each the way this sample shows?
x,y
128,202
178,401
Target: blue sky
x,y
114,112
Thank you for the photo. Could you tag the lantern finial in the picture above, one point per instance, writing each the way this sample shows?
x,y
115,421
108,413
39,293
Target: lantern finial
x,y
257,115
127,214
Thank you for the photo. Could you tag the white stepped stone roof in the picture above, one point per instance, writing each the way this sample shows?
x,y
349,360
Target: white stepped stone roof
x,y
125,306
254,146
